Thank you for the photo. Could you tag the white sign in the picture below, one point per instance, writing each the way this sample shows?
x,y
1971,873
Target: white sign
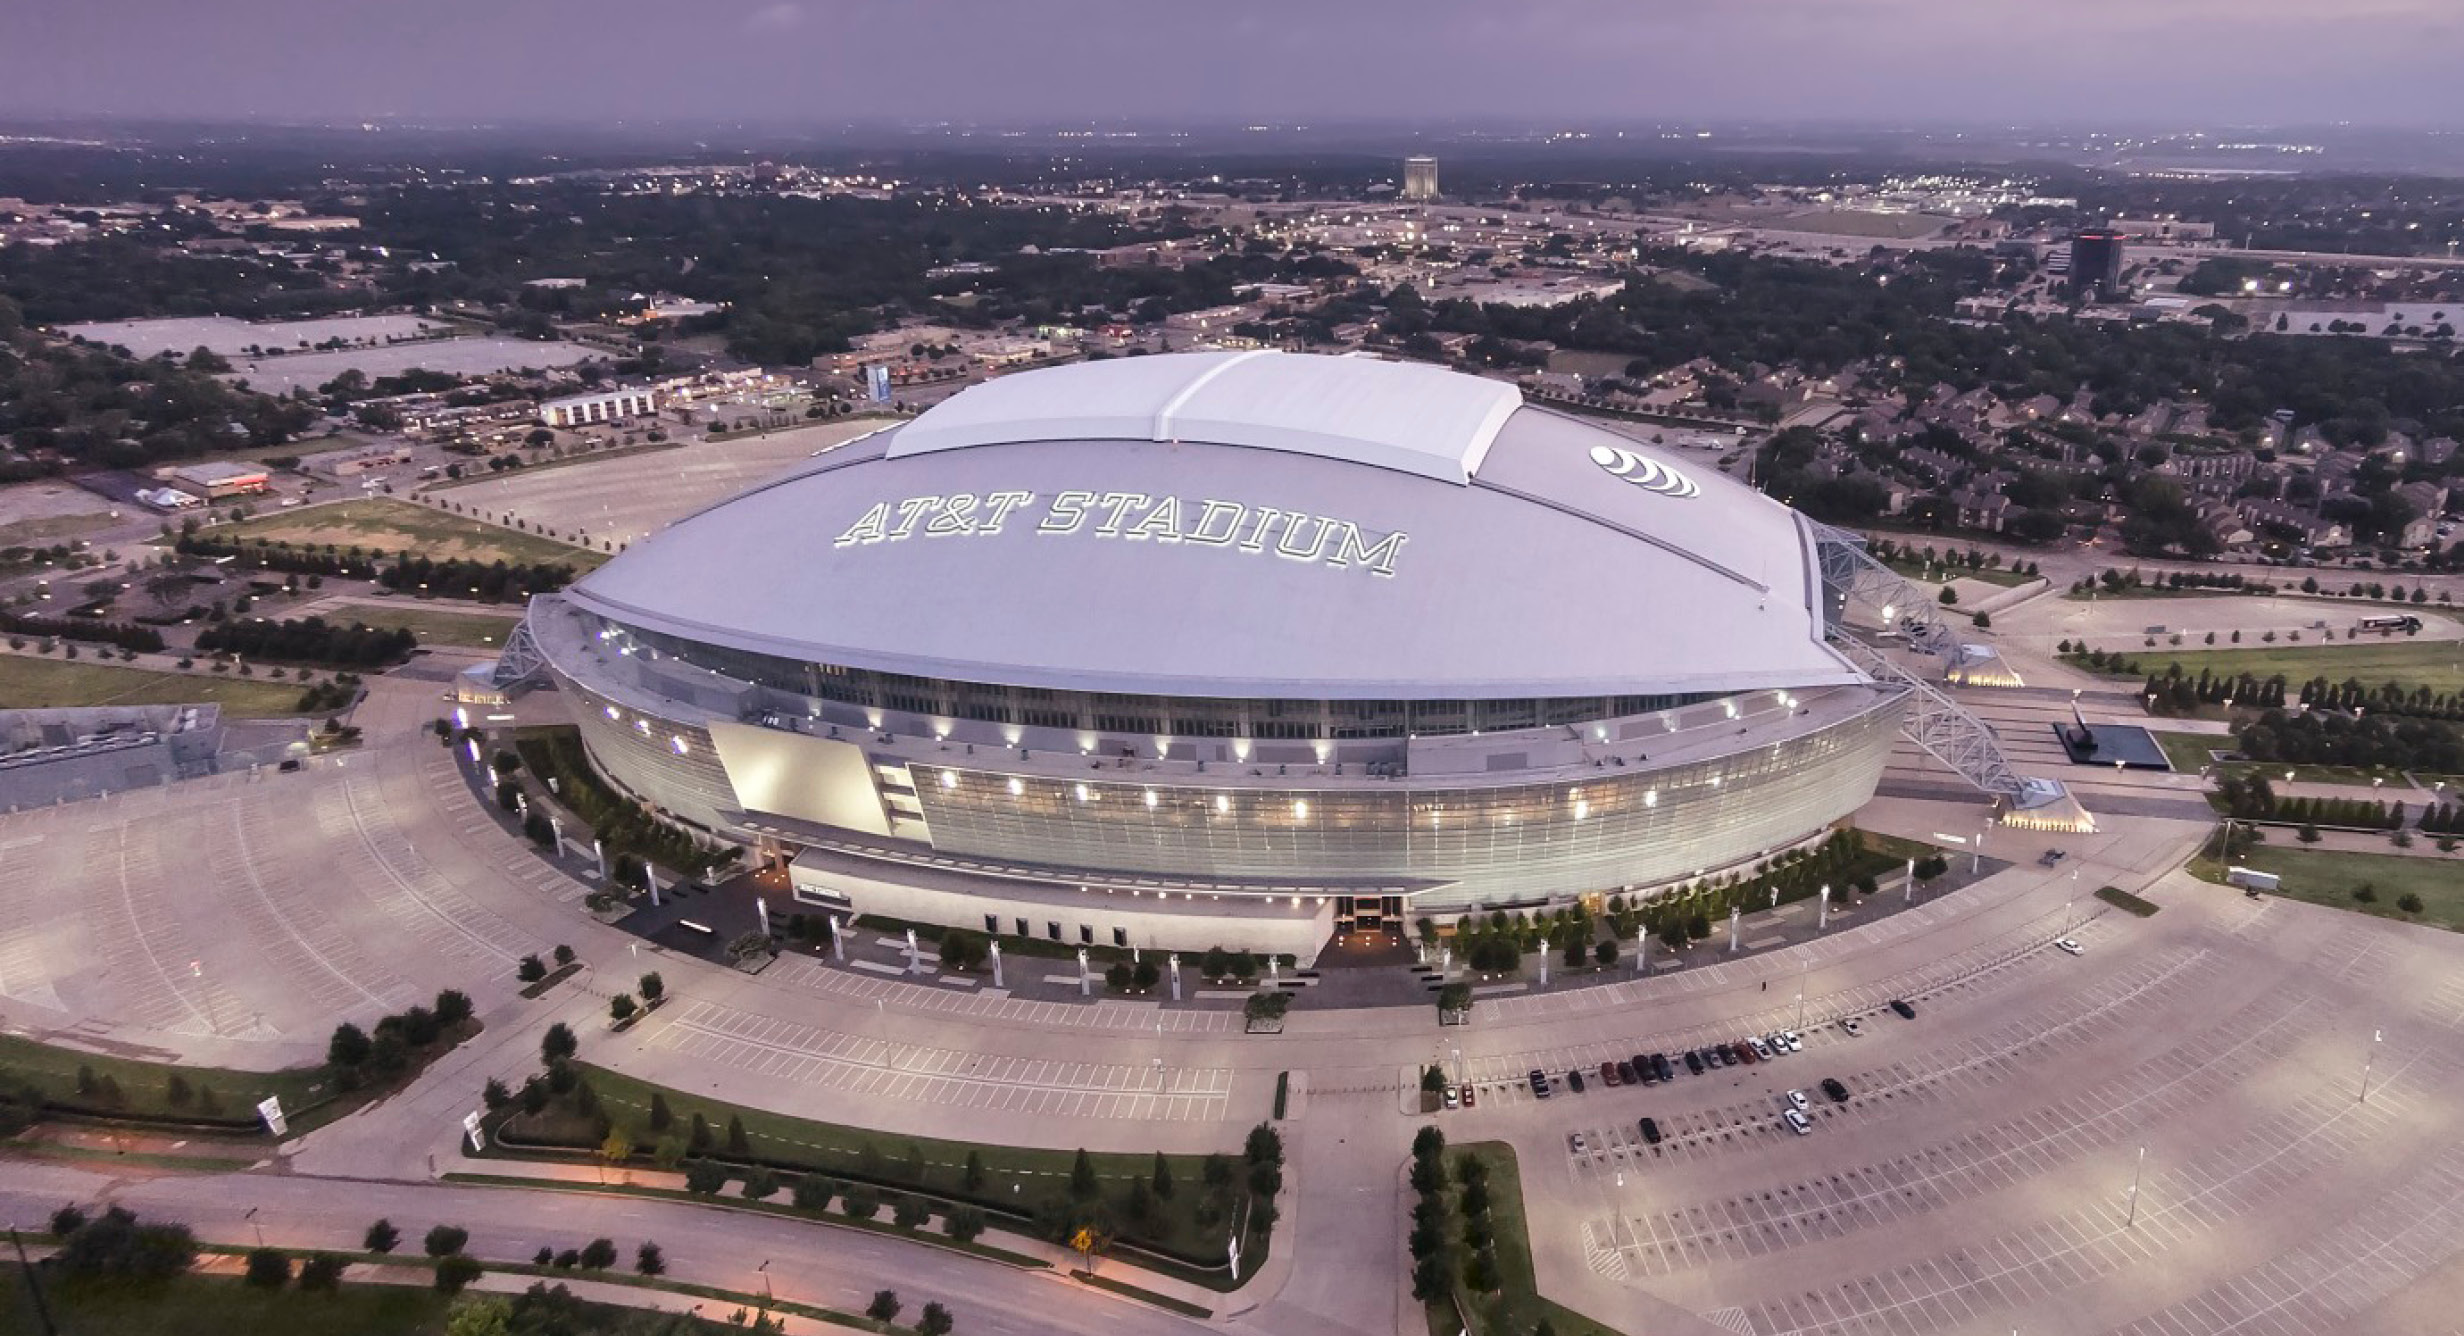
x,y
270,1109
470,1128
1134,517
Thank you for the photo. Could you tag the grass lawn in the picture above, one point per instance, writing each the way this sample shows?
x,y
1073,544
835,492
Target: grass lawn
x,y
1516,1308
1015,1178
2325,877
38,682
2188,752
1940,574
2437,664
389,526
222,1306
433,624
144,1085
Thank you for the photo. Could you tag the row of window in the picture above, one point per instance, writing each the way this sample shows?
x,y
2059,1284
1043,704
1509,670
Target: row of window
x,y
1152,716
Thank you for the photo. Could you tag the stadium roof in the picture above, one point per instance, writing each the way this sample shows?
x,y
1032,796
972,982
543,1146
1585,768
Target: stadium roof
x,y
1396,415
1299,533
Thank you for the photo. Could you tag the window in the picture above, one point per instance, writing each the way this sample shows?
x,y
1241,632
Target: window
x,y
992,925
1024,930
1120,937
1052,929
1086,934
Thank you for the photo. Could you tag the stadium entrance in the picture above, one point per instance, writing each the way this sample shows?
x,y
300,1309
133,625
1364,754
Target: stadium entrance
x,y
1368,913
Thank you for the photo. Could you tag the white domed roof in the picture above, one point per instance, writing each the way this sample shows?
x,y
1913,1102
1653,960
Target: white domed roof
x,y
1249,525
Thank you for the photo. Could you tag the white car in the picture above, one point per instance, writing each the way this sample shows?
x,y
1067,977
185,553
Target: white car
x,y
1853,1026
2072,946
1796,1042
1796,1100
1761,1047
1797,1122
1576,1141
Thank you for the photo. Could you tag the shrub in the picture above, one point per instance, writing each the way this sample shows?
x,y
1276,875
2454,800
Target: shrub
x,y
704,1178
2409,903
812,1192
599,1254
320,1272
648,1260
381,1237
455,1273
884,1307
268,1268
445,1240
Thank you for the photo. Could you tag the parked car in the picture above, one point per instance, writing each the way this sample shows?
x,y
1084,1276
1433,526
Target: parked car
x,y
2072,946
1574,1080
1454,1098
1469,1098
1694,1061
1651,1132
1797,1122
1644,1071
1796,1100
1796,1042
1745,1053
1906,1012
1660,1063
1608,1073
1836,1089
1576,1141
1539,1083
1626,1075
1761,1047
1853,1026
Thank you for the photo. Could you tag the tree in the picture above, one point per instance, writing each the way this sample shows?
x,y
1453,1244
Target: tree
x,y
962,950
455,1273
648,1260
558,1044
487,1316
704,1178
453,1006
933,1321
348,1048
1082,1182
116,1243
884,1307
620,1008
971,1177
964,1223
1950,596
598,1254
268,1268
445,1240
531,970
617,1148
2409,903
653,988
737,1142
661,1117
811,1192
1160,1182
910,1212
381,1237
564,956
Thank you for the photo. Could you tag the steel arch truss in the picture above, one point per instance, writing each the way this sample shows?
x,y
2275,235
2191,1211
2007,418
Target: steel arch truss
x,y
1935,722
1852,579
521,661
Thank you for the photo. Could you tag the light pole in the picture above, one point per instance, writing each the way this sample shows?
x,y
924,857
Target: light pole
x,y
2369,1056
2133,1218
767,1298
251,1218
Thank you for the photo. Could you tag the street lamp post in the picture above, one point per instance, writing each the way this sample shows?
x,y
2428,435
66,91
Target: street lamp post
x,y
2369,1056
2141,1163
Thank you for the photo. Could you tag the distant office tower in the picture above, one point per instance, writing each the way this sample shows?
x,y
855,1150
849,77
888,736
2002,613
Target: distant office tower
x,y
1420,178
2096,263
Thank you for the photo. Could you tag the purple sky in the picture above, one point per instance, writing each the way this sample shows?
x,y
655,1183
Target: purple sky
x,y
2176,62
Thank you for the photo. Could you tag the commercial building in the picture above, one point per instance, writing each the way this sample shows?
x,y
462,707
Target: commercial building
x,y
1420,179
217,479
604,406
1239,648
2096,263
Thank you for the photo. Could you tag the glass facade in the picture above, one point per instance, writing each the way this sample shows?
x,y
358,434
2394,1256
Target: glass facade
x,y
1477,840
1512,843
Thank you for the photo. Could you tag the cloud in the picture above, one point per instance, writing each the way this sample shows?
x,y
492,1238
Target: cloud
x,y
784,16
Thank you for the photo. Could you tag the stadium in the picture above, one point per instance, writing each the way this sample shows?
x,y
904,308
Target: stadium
x,y
1230,648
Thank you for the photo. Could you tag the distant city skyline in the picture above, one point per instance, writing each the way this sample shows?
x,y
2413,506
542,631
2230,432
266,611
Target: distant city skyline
x,y
1935,62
